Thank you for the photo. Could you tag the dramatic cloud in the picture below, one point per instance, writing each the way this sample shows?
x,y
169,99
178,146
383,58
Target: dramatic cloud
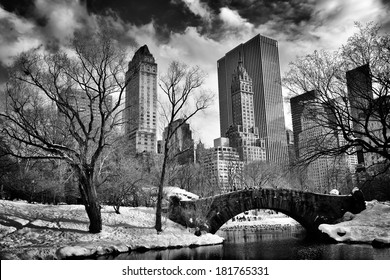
x,y
16,35
197,32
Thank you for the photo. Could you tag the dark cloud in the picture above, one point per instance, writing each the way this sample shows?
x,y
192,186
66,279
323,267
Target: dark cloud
x,y
168,16
386,2
25,9
261,11
174,16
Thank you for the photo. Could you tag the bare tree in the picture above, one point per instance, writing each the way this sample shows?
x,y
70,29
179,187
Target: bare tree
x,y
182,88
259,173
123,178
61,106
351,111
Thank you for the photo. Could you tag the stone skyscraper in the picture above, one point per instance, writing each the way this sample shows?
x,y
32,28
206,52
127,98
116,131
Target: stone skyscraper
x,y
141,102
261,59
243,134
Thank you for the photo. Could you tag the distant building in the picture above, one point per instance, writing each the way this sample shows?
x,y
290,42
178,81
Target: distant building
x,y
141,102
359,87
243,133
200,152
261,59
325,172
181,145
223,166
86,108
297,104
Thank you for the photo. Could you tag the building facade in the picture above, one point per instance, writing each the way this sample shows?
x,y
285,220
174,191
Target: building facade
x,y
324,172
181,144
261,59
243,134
141,102
359,87
223,166
88,109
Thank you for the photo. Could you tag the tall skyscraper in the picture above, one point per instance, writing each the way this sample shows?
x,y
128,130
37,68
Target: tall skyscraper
x,y
261,59
243,134
141,102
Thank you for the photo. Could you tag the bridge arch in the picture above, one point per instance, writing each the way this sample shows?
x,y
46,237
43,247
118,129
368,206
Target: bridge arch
x,y
307,208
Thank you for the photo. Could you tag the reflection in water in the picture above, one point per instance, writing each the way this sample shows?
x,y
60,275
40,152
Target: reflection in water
x,y
198,253
258,245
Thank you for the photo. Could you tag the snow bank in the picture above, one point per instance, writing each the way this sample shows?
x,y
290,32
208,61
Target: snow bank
x,y
372,223
182,194
33,231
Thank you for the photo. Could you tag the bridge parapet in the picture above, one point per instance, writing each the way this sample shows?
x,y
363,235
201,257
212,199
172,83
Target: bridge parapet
x,y
307,208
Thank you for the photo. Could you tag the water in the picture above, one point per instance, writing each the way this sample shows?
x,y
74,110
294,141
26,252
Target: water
x,y
261,245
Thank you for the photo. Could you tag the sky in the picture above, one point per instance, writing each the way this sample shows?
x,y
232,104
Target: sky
x,y
197,32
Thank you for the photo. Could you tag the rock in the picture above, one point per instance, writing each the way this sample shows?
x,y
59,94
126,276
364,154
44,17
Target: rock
x,y
381,242
348,216
198,232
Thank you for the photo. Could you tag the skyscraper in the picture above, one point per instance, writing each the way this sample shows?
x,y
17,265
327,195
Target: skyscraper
x,y
243,134
261,59
141,102
359,86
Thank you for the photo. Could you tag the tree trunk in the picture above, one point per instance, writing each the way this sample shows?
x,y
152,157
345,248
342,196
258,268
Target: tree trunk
x,y
158,225
89,197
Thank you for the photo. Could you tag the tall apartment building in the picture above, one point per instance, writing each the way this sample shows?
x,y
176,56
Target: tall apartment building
x,y
243,134
223,166
141,102
261,59
181,143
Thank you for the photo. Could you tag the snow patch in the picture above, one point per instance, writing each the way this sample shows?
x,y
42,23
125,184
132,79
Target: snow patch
x,y
372,223
182,194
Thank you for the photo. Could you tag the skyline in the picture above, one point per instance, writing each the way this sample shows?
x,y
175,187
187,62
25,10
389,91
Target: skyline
x,y
197,32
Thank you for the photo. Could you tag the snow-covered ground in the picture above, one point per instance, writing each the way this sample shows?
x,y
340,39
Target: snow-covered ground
x,y
367,226
35,231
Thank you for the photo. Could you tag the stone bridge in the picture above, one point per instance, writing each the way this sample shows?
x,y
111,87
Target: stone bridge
x,y
307,208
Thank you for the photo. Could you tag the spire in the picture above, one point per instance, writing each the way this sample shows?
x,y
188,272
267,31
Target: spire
x,y
240,60
241,71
